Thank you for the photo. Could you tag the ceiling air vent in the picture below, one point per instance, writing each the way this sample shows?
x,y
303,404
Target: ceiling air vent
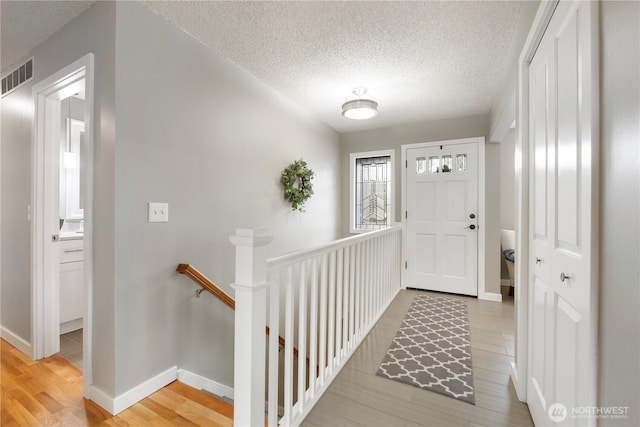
x,y
17,77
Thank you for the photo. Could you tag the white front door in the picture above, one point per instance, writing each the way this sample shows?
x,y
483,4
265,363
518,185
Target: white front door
x,y
442,218
561,311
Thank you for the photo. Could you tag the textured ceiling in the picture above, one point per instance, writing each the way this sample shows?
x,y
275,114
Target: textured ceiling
x,y
420,60
26,24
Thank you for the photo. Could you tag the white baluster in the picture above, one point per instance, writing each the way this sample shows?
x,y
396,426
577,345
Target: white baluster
x,y
302,337
323,320
380,261
345,301
250,319
367,283
313,328
332,312
352,294
358,297
338,320
288,349
274,347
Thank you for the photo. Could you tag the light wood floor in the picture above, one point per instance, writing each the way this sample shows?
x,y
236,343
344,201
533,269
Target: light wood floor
x,y
49,393
71,347
358,397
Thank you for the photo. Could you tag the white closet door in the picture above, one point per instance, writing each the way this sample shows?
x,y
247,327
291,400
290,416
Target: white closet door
x,y
562,317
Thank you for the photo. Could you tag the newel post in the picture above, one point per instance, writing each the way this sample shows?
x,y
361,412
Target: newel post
x,y
250,320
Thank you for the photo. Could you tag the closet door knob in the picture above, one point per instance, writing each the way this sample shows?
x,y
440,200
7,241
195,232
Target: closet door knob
x,y
538,261
564,277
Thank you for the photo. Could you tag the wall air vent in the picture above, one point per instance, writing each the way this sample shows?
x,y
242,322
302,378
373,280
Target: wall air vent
x,y
17,77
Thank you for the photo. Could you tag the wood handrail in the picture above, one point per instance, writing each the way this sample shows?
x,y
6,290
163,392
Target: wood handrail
x,y
202,280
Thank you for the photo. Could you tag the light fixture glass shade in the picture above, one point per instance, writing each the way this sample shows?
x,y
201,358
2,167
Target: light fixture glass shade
x,y
360,109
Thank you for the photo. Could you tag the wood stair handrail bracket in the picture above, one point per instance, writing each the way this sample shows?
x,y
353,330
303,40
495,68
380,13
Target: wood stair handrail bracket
x,y
202,280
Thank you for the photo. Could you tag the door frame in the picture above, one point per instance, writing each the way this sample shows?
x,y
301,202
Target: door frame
x,y
480,141
45,163
519,368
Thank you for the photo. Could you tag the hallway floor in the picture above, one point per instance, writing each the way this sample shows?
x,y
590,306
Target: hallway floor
x,y
48,392
358,397
71,347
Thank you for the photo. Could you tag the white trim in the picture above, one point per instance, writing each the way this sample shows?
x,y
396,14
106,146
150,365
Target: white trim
x,y
203,383
16,341
480,140
101,399
352,179
87,177
70,326
505,119
490,296
482,220
129,398
44,303
538,27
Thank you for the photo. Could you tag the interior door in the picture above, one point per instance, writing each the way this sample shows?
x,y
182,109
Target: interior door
x,y
441,218
561,315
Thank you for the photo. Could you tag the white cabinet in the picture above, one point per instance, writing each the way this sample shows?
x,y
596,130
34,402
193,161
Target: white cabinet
x,y
71,288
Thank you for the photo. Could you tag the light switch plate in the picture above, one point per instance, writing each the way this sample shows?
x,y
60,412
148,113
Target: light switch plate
x,y
158,212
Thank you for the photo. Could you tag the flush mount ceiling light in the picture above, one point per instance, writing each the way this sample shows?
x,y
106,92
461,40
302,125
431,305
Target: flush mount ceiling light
x,y
359,108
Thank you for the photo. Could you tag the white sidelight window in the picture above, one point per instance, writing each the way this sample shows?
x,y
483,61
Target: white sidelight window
x,y
371,190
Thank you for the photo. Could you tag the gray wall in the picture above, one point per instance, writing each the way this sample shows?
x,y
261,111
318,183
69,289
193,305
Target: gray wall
x,y
209,139
179,126
507,181
503,108
507,189
411,133
93,31
619,333
15,155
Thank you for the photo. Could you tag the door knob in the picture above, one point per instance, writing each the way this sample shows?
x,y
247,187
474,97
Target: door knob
x,y
473,227
538,261
564,277
472,216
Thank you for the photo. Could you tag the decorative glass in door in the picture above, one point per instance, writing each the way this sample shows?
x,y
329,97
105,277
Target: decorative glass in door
x,y
373,189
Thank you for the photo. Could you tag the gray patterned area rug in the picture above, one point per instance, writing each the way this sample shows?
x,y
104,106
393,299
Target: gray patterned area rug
x,y
432,350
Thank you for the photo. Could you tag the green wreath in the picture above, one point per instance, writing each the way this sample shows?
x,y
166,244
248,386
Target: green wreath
x,y
296,183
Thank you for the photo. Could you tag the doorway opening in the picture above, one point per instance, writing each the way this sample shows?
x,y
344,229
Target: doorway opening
x,y
61,206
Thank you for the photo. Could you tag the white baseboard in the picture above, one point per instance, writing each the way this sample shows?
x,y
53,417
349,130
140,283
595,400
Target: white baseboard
x,y
490,296
16,341
203,383
505,283
516,383
101,399
134,395
71,325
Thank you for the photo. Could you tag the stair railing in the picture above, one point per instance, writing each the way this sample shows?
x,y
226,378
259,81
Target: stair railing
x,y
207,285
331,297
